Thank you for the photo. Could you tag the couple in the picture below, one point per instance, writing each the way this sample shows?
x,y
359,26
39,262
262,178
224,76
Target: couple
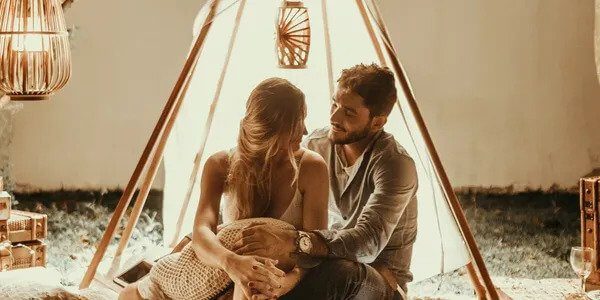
x,y
352,174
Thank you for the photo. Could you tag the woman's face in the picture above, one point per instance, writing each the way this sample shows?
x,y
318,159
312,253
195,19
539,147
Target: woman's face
x,y
293,142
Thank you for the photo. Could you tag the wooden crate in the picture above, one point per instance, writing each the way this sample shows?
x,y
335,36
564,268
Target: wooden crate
x,y
22,255
24,226
5,205
589,191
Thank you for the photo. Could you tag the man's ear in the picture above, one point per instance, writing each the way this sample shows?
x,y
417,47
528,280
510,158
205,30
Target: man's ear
x,y
378,122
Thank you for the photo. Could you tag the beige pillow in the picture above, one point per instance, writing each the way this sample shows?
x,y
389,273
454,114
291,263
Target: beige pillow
x,y
183,276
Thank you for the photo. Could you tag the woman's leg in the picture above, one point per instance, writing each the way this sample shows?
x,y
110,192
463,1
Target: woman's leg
x,y
130,292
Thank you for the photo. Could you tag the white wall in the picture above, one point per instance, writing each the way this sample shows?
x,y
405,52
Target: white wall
x,y
508,89
126,58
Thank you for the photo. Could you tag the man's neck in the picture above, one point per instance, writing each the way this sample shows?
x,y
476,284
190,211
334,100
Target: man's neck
x,y
353,151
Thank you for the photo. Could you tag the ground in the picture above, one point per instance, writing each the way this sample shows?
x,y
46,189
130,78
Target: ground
x,y
525,235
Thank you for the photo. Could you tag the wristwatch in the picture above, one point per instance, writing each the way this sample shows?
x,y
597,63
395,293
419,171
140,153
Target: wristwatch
x,y
303,242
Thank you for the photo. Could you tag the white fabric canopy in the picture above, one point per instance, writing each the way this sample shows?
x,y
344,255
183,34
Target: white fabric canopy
x,y
439,246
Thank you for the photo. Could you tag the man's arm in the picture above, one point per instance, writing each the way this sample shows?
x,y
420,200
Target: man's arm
x,y
395,185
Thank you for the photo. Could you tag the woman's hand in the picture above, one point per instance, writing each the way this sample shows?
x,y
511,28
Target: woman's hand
x,y
248,271
290,280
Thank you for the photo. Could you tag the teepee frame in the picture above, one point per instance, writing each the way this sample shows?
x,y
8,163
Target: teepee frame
x,y
154,149
481,272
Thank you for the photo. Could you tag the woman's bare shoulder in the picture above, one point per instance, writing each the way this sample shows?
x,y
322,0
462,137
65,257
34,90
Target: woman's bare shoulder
x,y
313,167
218,163
312,158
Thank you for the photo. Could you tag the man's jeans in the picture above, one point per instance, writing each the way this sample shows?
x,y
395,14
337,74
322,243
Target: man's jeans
x,y
339,279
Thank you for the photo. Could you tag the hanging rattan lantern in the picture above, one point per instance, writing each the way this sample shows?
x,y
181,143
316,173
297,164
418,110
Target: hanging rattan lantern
x,y
293,35
35,59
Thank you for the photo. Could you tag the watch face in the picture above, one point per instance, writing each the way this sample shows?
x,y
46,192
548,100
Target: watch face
x,y
305,244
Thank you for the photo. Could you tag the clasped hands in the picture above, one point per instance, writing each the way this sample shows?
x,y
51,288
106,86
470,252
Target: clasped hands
x,y
259,276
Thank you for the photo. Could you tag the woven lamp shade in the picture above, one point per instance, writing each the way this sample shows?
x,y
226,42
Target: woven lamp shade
x,y
35,58
293,35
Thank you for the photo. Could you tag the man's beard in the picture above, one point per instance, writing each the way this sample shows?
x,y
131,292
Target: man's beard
x,y
350,137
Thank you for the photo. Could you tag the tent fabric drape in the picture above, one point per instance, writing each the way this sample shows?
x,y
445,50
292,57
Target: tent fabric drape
x,y
439,246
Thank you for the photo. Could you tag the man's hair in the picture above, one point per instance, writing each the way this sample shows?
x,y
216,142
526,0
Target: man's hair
x,y
374,83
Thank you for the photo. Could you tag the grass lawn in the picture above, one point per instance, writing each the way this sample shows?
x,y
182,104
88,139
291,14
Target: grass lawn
x,y
526,235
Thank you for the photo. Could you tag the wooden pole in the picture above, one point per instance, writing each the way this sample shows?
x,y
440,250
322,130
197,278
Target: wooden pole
x,y
156,133
151,174
140,200
479,289
213,106
327,47
441,173
186,200
371,32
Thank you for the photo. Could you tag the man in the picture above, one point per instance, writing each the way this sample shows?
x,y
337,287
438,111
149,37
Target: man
x,y
372,201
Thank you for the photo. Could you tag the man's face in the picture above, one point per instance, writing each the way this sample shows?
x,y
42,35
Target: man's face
x,y
349,117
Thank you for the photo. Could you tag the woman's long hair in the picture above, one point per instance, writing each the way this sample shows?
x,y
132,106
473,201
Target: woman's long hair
x,y
274,114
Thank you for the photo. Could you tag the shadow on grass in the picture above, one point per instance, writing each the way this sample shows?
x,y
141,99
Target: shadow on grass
x,y
526,234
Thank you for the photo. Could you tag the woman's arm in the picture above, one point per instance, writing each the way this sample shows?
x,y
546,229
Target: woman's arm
x,y
313,182
206,245
314,185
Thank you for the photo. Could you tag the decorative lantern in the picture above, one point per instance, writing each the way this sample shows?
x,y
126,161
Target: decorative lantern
x,y
293,35
35,59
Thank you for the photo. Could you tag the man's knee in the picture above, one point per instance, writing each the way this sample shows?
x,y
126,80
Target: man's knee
x,y
334,279
341,273
354,280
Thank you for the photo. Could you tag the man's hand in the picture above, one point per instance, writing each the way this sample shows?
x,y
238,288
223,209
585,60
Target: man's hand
x,y
266,240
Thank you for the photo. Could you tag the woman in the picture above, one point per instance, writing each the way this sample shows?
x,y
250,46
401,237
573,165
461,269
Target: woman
x,y
269,175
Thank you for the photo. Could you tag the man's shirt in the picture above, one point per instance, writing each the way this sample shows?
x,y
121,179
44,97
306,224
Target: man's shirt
x,y
372,204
